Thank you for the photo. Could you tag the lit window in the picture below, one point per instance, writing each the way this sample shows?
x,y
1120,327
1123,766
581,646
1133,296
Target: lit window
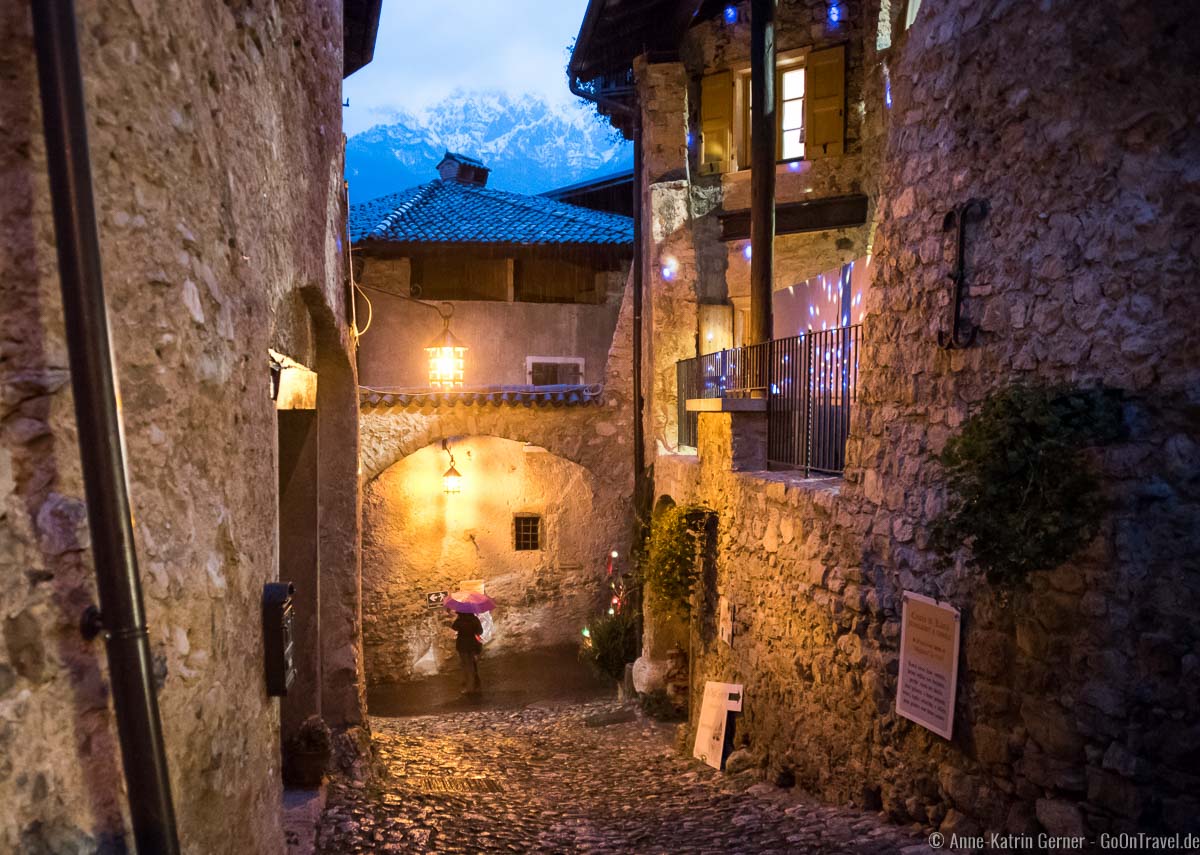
x,y
789,92
791,114
527,532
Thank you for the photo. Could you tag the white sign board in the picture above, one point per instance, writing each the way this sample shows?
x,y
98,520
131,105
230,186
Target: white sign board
x,y
720,699
725,622
929,636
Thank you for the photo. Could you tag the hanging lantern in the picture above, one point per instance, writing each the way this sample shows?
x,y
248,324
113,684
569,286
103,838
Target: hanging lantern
x,y
446,355
451,478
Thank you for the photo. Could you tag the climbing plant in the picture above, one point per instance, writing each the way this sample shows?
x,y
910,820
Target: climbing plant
x,y
670,567
1023,494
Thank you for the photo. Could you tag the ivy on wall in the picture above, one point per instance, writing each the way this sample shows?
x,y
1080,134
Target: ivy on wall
x,y
1023,494
670,568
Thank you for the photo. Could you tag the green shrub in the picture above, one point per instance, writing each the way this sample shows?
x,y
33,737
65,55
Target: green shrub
x,y
1023,495
670,568
611,642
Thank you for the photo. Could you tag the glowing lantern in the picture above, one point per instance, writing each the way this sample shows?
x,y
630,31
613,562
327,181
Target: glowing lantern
x,y
446,354
451,478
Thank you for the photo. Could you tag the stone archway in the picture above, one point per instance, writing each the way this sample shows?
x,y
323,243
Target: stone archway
x,y
418,540
597,437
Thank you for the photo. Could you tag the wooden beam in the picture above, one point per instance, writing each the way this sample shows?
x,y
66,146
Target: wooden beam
x,y
812,215
762,168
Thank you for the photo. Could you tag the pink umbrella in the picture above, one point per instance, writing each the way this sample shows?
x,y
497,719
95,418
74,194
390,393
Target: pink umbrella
x,y
472,602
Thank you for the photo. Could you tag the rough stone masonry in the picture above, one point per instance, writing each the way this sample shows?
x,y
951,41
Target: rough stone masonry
x,y
1078,709
569,465
215,139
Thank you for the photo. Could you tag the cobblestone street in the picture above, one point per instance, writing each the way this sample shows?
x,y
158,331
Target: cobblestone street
x,y
576,778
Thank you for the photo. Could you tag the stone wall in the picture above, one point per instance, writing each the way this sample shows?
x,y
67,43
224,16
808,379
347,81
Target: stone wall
x,y
1077,707
687,263
418,540
215,138
717,46
498,335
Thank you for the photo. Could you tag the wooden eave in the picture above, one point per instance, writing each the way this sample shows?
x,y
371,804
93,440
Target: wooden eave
x,y
614,32
811,215
360,25
599,255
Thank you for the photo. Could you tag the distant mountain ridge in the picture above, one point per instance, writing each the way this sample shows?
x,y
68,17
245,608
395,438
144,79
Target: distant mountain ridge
x,y
531,146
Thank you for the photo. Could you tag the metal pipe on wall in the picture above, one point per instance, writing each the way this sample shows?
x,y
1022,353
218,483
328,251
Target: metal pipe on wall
x,y
762,168
101,450
639,440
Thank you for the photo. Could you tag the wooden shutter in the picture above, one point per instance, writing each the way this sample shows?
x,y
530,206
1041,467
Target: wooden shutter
x,y
825,103
716,123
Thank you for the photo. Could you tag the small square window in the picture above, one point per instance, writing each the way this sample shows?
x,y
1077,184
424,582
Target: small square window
x,y
527,532
554,370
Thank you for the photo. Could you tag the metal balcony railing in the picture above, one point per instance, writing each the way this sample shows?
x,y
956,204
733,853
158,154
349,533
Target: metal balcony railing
x,y
810,381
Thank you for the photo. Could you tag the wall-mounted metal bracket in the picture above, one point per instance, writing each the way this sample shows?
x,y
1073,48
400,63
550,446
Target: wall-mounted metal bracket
x,y
961,335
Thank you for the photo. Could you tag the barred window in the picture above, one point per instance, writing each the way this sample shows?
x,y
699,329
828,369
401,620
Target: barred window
x,y
527,532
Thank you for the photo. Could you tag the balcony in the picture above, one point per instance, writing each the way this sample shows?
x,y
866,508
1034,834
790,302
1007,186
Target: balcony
x,y
807,384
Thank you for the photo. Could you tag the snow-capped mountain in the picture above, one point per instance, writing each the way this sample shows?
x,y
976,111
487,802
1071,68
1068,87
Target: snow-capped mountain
x,y
531,146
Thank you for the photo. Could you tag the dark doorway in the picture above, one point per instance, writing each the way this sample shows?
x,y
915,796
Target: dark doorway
x,y
299,561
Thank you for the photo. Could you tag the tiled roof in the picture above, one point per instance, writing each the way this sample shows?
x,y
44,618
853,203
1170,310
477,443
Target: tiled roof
x,y
497,396
453,212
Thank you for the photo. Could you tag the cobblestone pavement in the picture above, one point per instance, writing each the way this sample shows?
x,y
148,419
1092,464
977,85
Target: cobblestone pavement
x,y
575,778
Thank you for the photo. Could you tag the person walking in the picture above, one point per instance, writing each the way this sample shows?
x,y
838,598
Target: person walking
x,y
469,645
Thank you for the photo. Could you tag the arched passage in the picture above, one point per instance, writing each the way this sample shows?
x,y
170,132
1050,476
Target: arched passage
x,y
598,438
417,540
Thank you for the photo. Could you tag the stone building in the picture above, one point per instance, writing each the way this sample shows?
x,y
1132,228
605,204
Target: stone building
x,y
216,153
535,417
1076,703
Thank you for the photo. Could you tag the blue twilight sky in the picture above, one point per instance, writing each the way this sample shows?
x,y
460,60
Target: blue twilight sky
x,y
427,50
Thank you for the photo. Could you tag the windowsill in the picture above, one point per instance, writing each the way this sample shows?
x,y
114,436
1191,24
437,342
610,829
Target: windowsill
x,y
792,479
726,405
682,453
778,481
782,167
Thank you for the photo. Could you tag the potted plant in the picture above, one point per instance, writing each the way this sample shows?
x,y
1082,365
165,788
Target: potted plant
x,y
307,754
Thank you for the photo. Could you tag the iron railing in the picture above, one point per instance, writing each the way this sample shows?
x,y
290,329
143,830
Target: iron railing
x,y
810,382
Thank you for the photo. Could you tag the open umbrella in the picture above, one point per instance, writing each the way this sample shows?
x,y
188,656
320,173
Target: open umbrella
x,y
472,602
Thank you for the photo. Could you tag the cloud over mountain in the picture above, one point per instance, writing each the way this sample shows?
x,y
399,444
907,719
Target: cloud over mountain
x,y
530,145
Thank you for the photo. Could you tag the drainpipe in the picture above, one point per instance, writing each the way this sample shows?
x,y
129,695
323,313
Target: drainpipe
x,y
762,172
122,616
641,486
641,494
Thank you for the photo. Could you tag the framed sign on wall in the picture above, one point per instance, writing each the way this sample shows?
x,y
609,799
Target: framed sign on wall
x,y
929,639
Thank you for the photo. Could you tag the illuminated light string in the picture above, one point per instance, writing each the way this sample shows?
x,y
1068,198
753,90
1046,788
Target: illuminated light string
x,y
730,14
